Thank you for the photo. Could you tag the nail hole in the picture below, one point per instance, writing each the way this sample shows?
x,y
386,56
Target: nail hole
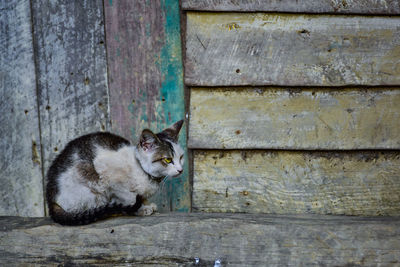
x,y
48,107
237,70
26,111
304,31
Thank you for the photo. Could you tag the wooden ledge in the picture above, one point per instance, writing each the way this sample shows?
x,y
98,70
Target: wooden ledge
x,y
178,239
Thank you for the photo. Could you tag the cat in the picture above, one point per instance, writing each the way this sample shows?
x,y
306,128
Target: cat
x,y
101,174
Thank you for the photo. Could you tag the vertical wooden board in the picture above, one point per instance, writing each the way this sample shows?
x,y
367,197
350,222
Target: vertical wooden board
x,y
72,72
295,118
227,49
146,78
387,7
285,182
21,190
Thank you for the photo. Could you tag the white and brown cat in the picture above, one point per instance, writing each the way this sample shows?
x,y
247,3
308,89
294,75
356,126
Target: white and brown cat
x,y
102,174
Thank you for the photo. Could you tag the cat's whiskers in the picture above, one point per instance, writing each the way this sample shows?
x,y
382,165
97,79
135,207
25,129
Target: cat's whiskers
x,y
162,184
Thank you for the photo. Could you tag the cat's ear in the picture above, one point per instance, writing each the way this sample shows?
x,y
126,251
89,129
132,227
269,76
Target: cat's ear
x,y
171,133
148,140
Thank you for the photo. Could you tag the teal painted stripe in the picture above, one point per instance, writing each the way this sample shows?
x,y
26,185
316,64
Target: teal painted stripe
x,y
172,98
171,64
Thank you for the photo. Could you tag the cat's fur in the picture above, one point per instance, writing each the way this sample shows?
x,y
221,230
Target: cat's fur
x,y
101,174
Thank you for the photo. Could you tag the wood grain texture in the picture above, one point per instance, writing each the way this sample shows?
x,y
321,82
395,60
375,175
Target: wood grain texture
x,y
72,71
295,118
21,190
284,182
389,7
177,239
146,78
227,49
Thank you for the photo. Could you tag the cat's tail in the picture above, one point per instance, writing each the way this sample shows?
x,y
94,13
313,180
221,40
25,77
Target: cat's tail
x,y
60,216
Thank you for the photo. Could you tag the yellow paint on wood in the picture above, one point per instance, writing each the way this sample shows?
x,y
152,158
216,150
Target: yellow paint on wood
x,y
281,118
284,182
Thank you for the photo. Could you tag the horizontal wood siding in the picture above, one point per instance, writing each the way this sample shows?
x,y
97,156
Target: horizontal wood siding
x,y
21,190
228,49
295,118
72,72
180,239
299,6
287,182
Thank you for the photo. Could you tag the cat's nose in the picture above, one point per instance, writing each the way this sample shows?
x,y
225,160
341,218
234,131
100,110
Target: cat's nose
x,y
180,171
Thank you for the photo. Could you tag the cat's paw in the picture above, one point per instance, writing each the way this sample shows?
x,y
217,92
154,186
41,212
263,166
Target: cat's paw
x,y
147,210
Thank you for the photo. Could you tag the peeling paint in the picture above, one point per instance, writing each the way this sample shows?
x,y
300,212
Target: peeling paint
x,y
151,75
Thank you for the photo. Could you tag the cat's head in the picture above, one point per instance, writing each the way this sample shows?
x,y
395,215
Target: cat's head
x,y
160,154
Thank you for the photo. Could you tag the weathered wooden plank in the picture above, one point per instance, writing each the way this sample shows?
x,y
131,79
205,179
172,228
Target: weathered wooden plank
x,y
351,183
294,118
146,77
72,72
21,190
285,49
389,7
178,239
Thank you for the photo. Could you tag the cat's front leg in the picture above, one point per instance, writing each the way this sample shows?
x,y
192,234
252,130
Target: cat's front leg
x,y
147,209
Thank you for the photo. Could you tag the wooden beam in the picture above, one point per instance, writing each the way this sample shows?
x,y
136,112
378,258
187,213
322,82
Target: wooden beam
x,y
72,72
146,78
295,118
228,49
178,239
387,7
285,182
21,190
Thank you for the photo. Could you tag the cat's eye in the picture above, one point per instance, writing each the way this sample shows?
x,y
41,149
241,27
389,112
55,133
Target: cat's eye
x,y
167,160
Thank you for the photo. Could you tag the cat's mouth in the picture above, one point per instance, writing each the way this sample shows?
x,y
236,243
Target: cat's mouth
x,y
179,173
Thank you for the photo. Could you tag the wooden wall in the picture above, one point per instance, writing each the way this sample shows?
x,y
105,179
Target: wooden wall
x,y
294,106
146,78
21,190
74,67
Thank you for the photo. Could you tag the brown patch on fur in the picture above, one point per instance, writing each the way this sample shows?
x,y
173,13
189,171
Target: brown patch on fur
x,y
88,171
163,151
56,209
171,133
